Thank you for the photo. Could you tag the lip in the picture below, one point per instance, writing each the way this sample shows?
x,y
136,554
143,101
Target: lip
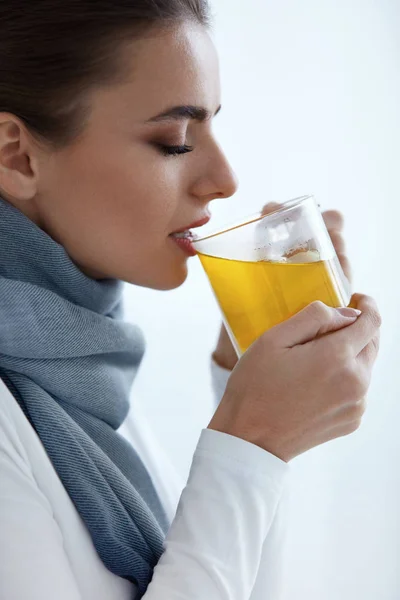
x,y
185,244
199,223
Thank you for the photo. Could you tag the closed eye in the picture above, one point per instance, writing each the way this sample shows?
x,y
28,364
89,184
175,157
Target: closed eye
x,y
174,150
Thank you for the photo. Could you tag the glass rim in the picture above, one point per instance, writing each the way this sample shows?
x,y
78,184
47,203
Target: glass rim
x,y
285,207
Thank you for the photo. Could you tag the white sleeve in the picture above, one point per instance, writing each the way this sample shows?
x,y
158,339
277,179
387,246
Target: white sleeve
x,y
212,550
219,379
214,546
269,582
33,563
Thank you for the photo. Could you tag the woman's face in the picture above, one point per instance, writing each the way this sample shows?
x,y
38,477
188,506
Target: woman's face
x,y
113,198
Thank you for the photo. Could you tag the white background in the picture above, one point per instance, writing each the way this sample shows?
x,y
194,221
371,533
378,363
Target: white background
x,y
311,104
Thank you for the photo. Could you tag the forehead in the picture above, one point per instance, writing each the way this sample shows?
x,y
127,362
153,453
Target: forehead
x,y
170,67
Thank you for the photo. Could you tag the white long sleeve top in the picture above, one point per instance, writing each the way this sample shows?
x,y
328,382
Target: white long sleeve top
x,y
223,543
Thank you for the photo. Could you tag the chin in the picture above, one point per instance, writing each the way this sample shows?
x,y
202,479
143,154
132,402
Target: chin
x,y
168,278
172,279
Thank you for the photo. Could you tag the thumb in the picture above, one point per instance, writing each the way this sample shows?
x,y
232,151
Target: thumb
x,y
311,322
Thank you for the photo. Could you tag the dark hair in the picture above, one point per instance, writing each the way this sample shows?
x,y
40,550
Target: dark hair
x,y
54,51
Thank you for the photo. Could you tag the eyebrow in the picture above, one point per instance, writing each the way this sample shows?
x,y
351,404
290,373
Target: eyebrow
x,y
180,113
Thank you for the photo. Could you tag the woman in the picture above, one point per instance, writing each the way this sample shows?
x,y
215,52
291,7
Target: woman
x,y
106,153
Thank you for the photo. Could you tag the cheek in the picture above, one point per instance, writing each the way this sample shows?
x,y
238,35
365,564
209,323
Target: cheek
x,y
116,218
128,191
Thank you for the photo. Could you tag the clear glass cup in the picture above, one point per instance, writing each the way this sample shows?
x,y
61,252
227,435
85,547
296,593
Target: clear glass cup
x,y
269,267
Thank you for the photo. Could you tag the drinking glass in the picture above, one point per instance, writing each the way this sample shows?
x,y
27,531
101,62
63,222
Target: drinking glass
x,y
269,267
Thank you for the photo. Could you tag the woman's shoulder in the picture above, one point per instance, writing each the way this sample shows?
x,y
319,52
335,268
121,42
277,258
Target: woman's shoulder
x,y
22,454
14,427
7,402
6,399
39,526
12,419
20,446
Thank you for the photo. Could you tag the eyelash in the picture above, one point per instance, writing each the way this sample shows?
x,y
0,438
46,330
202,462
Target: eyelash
x,y
175,150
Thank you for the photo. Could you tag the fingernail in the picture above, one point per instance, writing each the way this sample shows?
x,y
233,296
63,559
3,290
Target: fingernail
x,y
350,313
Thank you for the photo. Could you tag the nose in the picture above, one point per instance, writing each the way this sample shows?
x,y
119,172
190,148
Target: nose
x,y
218,179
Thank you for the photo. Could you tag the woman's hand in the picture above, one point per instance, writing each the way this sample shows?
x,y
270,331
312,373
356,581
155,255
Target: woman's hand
x,y
303,382
225,354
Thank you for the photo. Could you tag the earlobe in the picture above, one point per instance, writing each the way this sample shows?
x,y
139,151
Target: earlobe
x,y
17,176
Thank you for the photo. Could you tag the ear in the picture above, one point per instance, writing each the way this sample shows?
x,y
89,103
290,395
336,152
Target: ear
x,y
18,159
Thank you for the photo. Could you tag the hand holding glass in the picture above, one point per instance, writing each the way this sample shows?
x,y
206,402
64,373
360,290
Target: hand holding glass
x,y
268,268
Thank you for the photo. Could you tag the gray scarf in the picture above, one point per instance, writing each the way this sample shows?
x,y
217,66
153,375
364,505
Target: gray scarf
x,y
70,360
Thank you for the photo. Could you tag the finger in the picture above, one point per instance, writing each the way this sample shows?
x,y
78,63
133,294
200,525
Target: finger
x,y
343,430
333,220
350,411
270,207
346,266
369,355
310,323
340,247
338,241
360,334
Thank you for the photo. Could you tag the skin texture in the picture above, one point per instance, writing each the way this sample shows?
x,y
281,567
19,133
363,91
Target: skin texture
x,y
112,198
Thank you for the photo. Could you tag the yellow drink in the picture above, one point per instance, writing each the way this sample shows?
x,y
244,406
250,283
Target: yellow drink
x,y
255,296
